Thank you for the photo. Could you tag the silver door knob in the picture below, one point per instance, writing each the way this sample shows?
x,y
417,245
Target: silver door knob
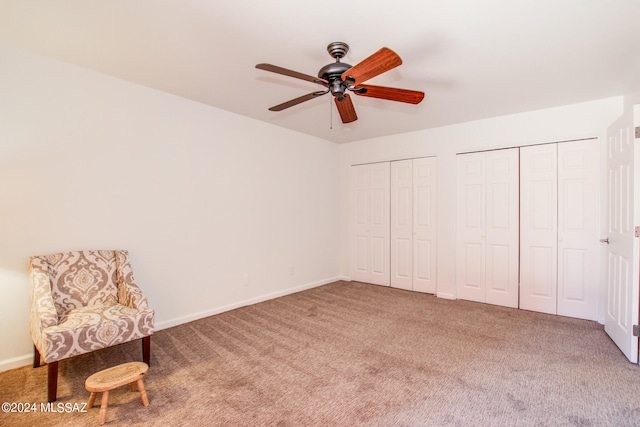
x,y
605,240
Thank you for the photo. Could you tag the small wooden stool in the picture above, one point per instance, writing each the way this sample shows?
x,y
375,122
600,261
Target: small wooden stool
x,y
108,379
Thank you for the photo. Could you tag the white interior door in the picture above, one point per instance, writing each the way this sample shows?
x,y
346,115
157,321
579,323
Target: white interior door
x,y
622,251
370,223
402,224
578,229
538,228
424,225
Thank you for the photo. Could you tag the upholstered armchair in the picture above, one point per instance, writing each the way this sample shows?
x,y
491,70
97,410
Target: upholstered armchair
x,y
84,301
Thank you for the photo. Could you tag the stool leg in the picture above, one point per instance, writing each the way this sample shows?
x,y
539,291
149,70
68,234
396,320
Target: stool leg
x,y
92,399
143,393
103,407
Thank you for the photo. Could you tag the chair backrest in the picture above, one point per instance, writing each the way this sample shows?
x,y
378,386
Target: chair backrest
x,y
82,278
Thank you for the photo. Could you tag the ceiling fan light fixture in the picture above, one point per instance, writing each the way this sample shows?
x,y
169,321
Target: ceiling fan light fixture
x,y
337,88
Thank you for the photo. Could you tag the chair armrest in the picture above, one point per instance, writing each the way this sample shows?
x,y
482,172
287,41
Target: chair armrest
x,y
129,293
43,310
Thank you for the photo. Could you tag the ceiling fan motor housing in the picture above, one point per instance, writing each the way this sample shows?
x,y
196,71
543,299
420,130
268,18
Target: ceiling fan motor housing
x,y
332,73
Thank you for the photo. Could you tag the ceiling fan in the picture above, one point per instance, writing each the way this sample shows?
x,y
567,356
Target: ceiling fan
x,y
339,77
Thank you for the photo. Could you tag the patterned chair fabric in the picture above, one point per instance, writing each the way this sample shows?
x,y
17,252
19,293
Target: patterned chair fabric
x,y
84,301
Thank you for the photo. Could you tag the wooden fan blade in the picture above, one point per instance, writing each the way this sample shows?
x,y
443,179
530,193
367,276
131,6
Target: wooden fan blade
x,y
296,101
346,109
383,60
297,75
391,94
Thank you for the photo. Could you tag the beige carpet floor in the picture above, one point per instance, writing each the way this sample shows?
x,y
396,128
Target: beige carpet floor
x,y
353,354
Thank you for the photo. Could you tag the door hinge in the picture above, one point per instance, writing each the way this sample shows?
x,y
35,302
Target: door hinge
x,y
637,131
636,330
637,231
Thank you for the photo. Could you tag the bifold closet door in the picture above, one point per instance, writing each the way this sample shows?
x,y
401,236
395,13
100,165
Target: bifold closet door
x,y
413,224
539,228
559,228
402,224
487,227
578,231
370,223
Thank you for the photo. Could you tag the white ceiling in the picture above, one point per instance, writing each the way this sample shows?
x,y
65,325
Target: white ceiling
x,y
472,58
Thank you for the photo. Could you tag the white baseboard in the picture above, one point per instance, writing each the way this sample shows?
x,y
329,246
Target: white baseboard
x,y
16,362
445,295
217,310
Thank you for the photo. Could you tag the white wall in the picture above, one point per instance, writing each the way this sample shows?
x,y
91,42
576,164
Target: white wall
x,y
631,99
199,196
583,120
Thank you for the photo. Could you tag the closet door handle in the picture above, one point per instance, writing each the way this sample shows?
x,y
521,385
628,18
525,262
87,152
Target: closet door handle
x,y
605,240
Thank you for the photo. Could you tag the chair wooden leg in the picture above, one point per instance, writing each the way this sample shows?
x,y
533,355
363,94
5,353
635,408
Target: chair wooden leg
x,y
146,350
52,381
36,357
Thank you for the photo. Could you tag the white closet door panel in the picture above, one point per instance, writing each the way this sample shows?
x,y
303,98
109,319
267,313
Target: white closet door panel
x,y
538,228
424,225
370,258
361,195
401,268
380,260
402,224
578,219
499,260
380,224
472,274
360,267
501,227
541,275
470,240
424,270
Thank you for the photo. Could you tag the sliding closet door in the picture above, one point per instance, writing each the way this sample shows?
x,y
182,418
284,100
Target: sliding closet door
x,y
487,227
538,228
578,236
370,223
413,224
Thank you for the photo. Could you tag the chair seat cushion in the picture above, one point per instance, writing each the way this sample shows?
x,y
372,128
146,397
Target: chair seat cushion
x,y
94,327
